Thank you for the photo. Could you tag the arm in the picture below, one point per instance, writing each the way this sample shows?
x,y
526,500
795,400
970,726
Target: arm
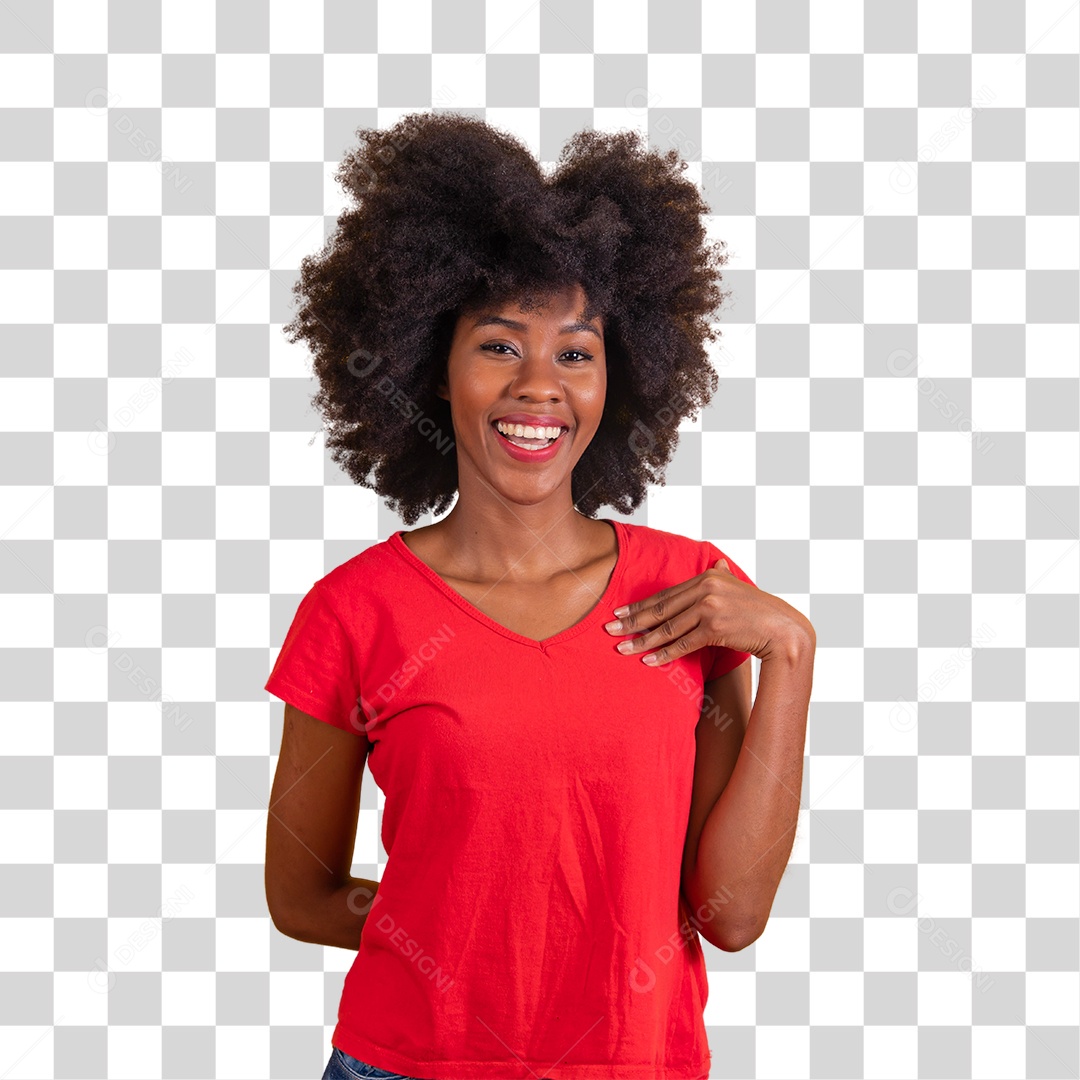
x,y
747,784
311,831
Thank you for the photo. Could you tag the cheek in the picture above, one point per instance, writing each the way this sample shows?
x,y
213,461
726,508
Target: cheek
x,y
470,395
594,397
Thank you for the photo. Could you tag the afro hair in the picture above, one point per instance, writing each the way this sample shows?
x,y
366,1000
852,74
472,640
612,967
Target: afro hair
x,y
451,215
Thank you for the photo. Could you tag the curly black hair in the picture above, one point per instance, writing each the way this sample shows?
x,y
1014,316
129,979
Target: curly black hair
x,y
453,215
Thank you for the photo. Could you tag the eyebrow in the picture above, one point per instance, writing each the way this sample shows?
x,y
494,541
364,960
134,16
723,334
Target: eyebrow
x,y
513,324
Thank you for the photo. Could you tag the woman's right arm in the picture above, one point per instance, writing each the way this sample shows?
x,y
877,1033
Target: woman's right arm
x,y
311,831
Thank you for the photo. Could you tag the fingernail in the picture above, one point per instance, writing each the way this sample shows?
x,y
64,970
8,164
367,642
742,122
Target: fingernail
x,y
619,612
614,627
624,646
652,658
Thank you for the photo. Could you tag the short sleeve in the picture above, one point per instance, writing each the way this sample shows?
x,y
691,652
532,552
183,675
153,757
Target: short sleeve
x,y
316,669
725,660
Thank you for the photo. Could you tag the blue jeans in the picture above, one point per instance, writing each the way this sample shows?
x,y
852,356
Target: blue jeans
x,y
343,1067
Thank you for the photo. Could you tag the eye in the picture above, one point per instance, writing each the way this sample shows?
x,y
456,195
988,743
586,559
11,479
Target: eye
x,y
582,355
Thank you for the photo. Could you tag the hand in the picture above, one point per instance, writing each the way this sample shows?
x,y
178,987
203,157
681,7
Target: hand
x,y
714,608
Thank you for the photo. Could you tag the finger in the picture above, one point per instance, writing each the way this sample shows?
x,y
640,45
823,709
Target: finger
x,y
664,636
642,614
674,650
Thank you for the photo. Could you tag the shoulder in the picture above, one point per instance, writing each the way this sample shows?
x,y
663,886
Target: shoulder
x,y
680,555
363,579
668,546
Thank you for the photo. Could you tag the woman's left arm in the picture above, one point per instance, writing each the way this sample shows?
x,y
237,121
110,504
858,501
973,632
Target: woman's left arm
x,y
747,784
748,767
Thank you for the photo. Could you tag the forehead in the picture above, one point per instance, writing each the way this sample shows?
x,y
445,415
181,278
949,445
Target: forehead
x,y
485,319
568,308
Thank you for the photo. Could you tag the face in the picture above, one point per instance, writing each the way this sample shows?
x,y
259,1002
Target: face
x,y
544,366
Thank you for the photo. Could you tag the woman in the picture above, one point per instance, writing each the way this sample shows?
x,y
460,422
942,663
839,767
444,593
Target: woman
x,y
552,703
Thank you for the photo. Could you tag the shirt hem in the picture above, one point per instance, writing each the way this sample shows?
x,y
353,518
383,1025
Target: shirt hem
x,y
364,1049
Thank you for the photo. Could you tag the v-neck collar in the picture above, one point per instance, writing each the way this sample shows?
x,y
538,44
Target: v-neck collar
x,y
601,610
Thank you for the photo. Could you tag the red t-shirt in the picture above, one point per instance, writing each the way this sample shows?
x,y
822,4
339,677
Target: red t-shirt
x,y
529,921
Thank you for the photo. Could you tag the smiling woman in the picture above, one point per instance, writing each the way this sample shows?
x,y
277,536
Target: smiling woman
x,y
540,782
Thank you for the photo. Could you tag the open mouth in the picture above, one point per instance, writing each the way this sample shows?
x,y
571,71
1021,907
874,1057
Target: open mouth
x,y
509,432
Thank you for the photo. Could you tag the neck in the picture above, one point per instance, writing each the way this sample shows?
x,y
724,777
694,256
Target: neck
x,y
526,543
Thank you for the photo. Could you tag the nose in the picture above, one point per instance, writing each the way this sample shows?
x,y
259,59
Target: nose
x,y
537,379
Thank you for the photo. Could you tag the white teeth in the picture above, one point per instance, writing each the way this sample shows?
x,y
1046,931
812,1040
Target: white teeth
x,y
525,431
530,446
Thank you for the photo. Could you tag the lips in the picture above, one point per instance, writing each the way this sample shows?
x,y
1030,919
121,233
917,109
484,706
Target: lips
x,y
542,454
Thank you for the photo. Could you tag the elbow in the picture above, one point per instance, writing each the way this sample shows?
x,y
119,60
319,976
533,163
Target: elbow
x,y
281,908
739,938
296,929
283,924
729,934
731,938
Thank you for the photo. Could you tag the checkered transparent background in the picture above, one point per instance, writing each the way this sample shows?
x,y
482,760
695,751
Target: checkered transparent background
x,y
893,449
